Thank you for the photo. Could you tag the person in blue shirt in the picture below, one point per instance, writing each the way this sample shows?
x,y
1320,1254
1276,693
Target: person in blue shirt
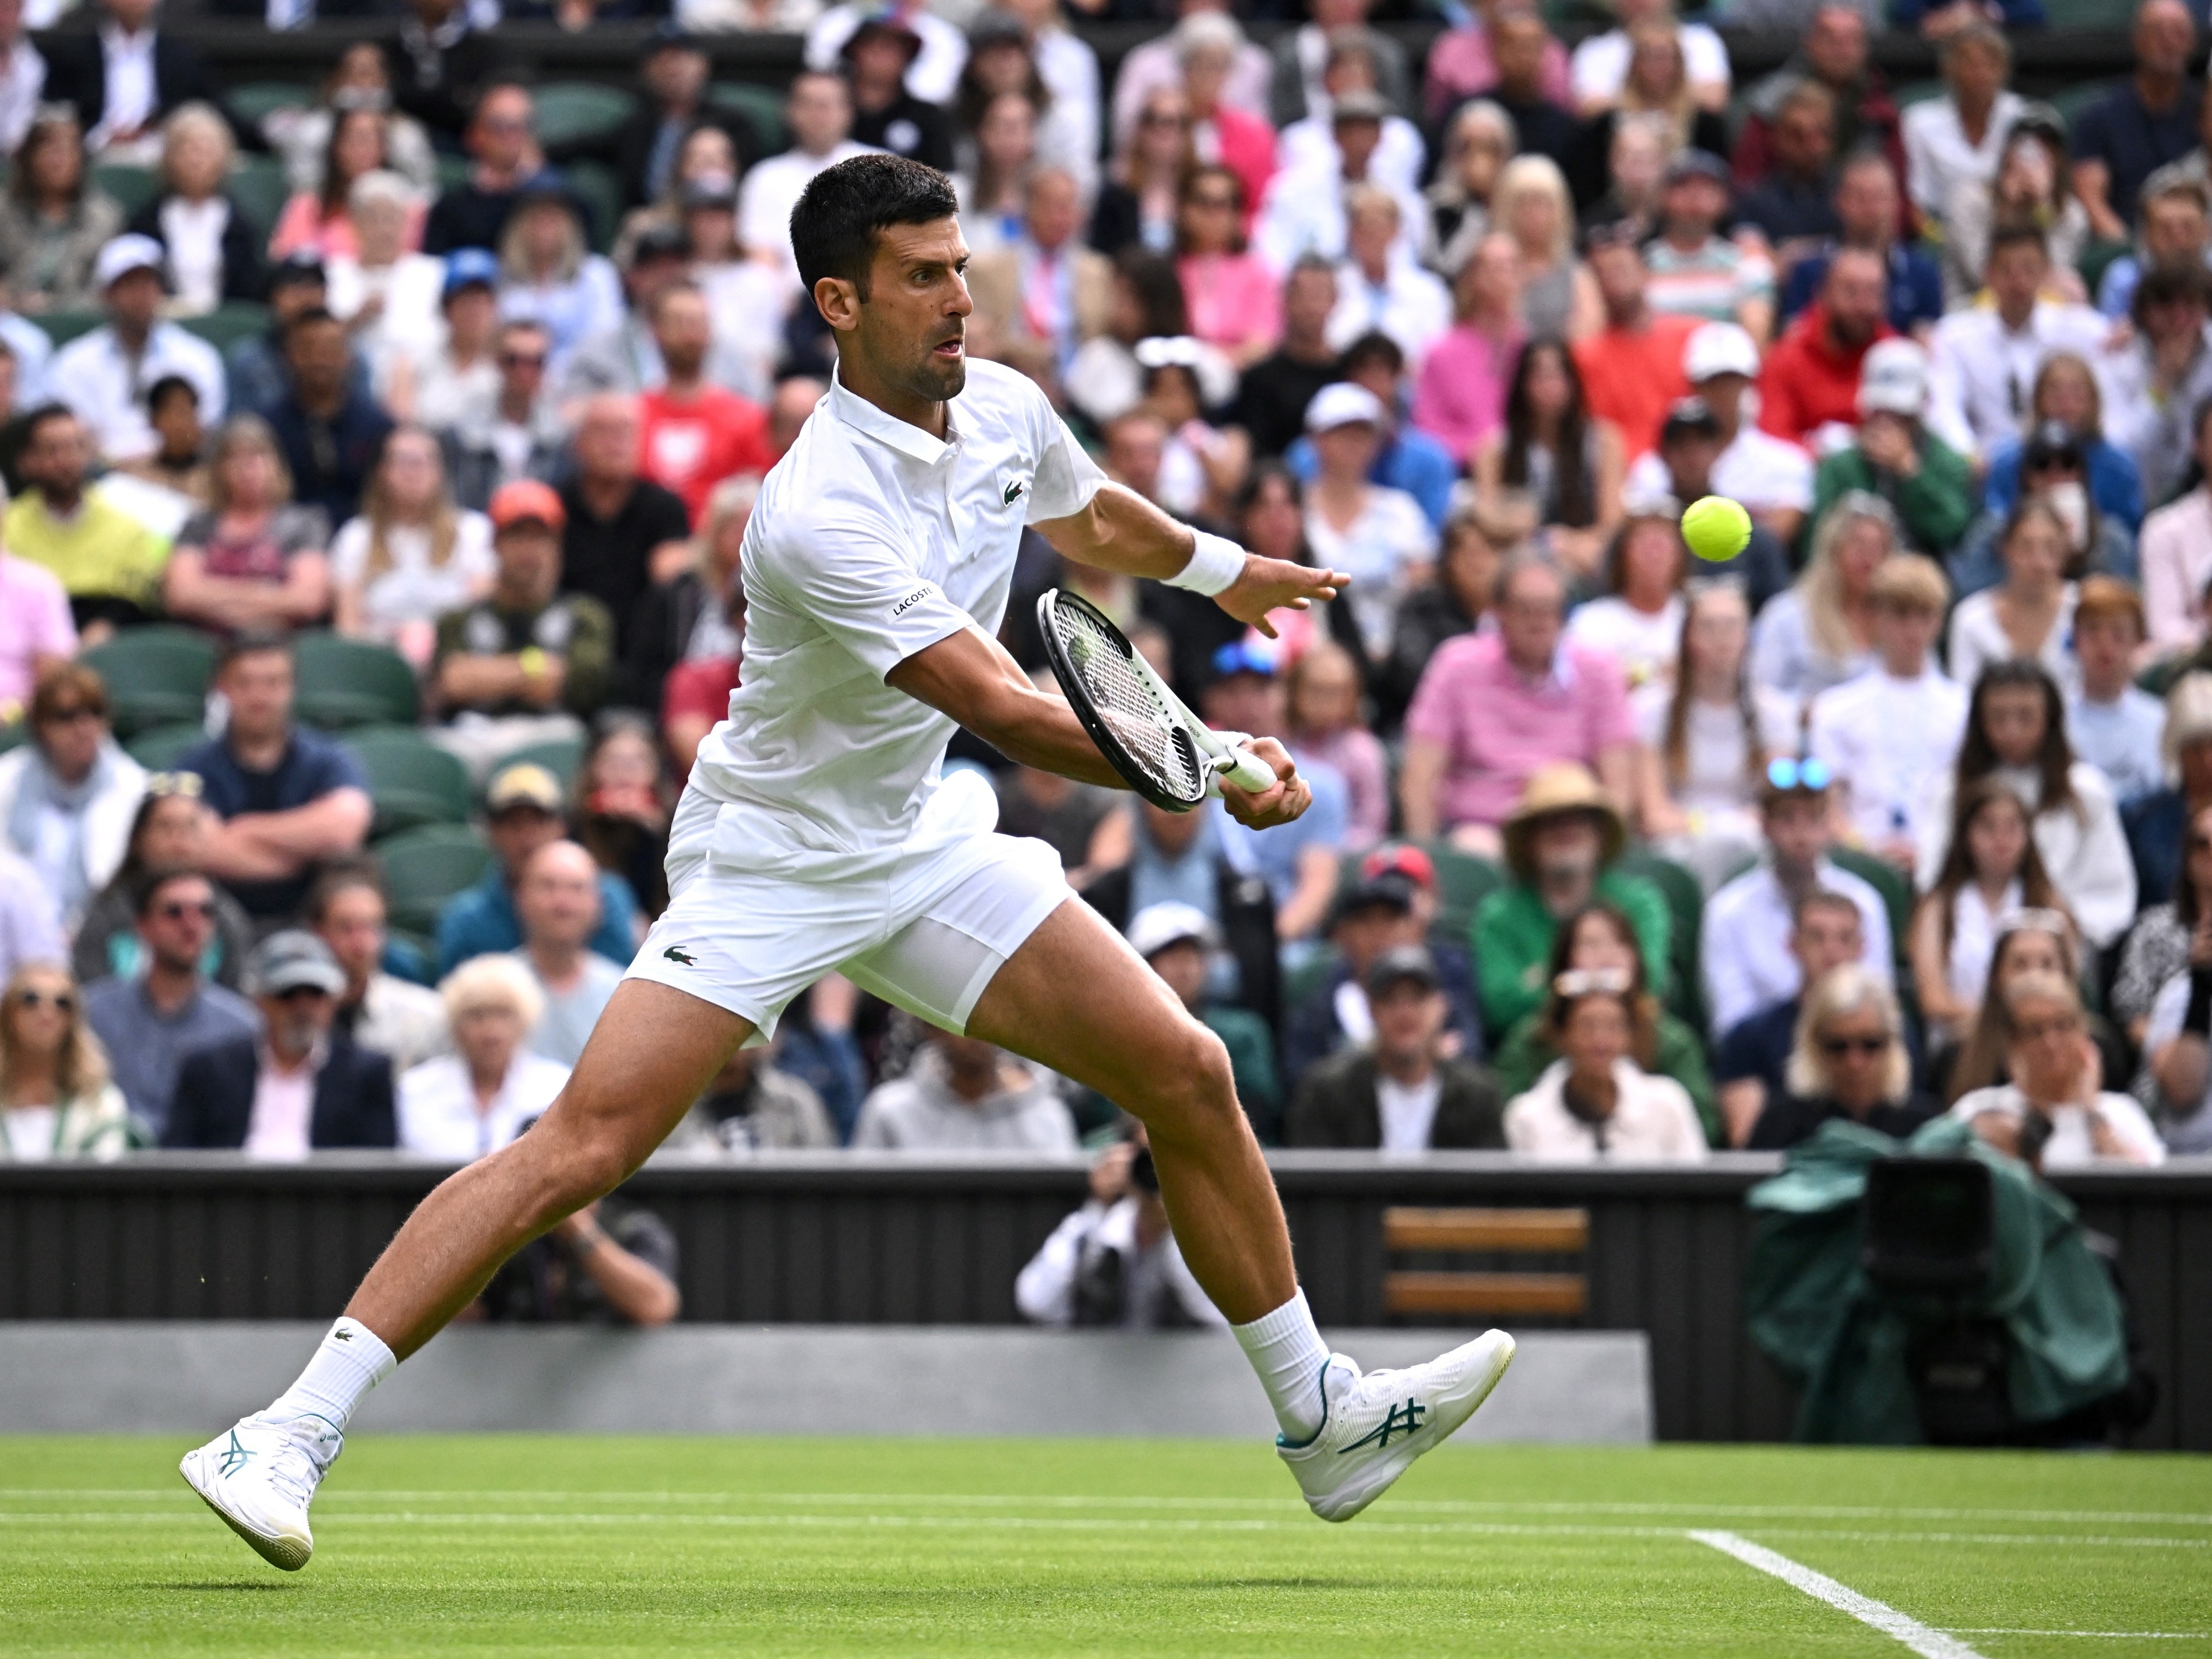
x,y
523,808
2142,123
1867,210
1409,459
2067,391
287,798
2176,229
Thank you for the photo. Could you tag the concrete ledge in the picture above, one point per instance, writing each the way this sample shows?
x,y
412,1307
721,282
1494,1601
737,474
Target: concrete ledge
x,y
168,1376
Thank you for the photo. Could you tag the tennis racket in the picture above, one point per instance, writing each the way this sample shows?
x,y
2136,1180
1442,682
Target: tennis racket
x,y
1166,753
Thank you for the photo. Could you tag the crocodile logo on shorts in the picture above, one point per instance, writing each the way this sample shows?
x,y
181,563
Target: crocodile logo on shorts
x,y
684,956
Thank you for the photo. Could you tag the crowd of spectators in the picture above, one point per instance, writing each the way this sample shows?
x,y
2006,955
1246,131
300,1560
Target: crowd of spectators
x,y
1906,808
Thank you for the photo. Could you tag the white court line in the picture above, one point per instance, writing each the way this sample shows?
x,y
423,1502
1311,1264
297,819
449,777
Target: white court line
x,y
2099,1635
1929,1643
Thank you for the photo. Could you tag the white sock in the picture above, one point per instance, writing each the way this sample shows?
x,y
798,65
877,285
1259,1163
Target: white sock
x,y
1287,1352
351,1361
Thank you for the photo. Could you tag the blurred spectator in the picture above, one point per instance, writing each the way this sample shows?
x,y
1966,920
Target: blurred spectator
x,y
753,1105
1554,466
2177,551
1704,736
360,77
1302,56
150,1021
673,74
1992,870
170,829
2117,726
1561,845
30,920
612,1263
1352,66
2054,469
1983,361
1790,200
2016,730
1275,392
2052,1113
1560,298
2070,392
1113,1263
2030,188
320,221
2158,823
2142,123
1402,1091
251,559
455,381
1638,619
212,257
1849,1063
691,434
1524,49
2159,944
887,114
1897,457
549,273
524,665
1203,466
288,797
1324,728
1867,211
2163,375
1821,632
753,303
1751,1060
522,813
685,634
1887,733
68,796
1065,64
1811,378
2174,1038
519,434
1002,59
819,114
1460,65
179,464
1177,943
1657,95
1494,709
964,1094
619,532
1137,204
505,159
1478,141
1380,290
109,563
557,899
23,77
1595,1103
2031,945
54,220
99,374
2029,615
1601,63
1635,175
469,1103
1833,56
1462,397
1694,270
1409,459
623,804
993,188
56,1099
1599,938
1955,142
2175,230
439,64
1379,536
1299,865
376,1010
255,368
1747,962
1770,477
1306,210
329,427
1690,445
1630,368
1042,295
37,632
411,555
295,1088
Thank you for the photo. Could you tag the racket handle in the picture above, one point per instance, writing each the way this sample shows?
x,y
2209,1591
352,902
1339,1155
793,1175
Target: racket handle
x,y
1249,772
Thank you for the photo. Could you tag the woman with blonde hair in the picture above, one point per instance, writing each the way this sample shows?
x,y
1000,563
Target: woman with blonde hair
x,y
412,554
1559,296
463,1105
548,274
254,558
1657,90
56,1096
1849,1062
1819,632
212,254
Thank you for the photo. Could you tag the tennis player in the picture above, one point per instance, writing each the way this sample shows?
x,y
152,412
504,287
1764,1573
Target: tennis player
x,y
818,832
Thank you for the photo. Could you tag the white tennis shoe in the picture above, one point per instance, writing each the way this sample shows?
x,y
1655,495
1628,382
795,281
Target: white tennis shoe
x,y
1378,1422
261,1477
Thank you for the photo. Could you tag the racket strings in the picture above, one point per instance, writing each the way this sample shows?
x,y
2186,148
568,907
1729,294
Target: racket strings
x,y
1129,707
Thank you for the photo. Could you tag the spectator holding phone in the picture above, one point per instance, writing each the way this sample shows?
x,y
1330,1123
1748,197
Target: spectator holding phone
x,y
2054,1114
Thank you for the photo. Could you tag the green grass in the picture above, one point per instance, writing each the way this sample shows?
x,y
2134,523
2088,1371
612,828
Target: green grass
x,y
662,1546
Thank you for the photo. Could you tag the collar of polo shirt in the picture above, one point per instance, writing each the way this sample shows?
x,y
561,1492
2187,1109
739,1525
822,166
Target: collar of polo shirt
x,y
910,440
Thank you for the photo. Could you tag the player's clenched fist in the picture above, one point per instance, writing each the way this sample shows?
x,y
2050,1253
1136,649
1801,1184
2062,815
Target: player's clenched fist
x,y
1288,799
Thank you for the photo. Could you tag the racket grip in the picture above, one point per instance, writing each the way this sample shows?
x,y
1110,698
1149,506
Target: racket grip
x,y
1249,772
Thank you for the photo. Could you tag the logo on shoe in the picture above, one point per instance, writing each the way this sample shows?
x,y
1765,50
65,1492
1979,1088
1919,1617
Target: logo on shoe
x,y
1399,1419
235,1456
684,956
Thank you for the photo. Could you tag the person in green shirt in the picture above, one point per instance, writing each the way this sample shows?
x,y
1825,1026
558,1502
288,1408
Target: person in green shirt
x,y
1176,941
1561,843
1596,937
1897,457
110,563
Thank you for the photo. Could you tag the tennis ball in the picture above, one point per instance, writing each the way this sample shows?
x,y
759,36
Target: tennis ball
x,y
1716,528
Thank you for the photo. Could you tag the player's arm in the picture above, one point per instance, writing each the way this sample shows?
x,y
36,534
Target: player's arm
x,y
969,676
1120,531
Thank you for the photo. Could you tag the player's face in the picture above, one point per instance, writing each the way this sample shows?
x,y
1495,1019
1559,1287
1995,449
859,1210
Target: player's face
x,y
914,321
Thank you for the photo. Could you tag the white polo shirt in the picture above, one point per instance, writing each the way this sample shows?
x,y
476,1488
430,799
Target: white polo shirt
x,y
106,388
872,541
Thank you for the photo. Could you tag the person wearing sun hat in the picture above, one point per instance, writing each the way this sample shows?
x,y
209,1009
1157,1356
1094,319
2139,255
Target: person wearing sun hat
x,y
1562,842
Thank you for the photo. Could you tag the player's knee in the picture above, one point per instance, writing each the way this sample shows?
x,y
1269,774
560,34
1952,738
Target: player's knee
x,y
578,1159
1191,1087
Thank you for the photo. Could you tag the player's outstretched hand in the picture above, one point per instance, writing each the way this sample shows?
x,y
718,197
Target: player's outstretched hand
x,y
1288,799
1277,585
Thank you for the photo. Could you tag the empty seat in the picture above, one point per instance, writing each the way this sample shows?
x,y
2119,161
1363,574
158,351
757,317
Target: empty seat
x,y
423,868
345,683
411,780
561,756
158,748
155,676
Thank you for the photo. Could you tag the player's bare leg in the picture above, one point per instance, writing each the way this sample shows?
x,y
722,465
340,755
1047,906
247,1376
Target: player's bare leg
x,y
1076,998
654,1049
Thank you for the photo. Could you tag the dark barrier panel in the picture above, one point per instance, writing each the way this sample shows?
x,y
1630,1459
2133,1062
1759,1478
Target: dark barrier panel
x,y
852,1238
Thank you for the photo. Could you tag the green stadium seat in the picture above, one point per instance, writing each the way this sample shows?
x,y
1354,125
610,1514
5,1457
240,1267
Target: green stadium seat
x,y
62,326
346,683
579,112
259,187
226,325
761,106
1685,908
131,187
562,757
1302,983
259,99
1463,881
596,186
411,780
155,676
158,748
424,867
2115,15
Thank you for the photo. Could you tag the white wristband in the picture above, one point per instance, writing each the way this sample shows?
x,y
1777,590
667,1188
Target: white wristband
x,y
1215,563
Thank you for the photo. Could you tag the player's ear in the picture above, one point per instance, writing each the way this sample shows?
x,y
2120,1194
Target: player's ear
x,y
839,301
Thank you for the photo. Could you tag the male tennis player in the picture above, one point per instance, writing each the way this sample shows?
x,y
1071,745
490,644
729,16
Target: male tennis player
x,y
818,833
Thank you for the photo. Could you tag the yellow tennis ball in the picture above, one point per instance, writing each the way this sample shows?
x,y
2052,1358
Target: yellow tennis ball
x,y
1716,528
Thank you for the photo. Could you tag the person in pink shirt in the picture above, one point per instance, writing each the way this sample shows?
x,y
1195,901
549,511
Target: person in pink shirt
x,y
321,221
36,630
1235,304
1221,132
1460,67
1461,399
1493,708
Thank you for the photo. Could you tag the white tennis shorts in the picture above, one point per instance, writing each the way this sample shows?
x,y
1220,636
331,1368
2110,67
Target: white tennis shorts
x,y
927,936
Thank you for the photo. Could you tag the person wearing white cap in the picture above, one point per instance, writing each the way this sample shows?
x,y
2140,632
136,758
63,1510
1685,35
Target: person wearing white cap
x,y
1377,534
1179,943
1896,457
1985,358
104,376
1771,477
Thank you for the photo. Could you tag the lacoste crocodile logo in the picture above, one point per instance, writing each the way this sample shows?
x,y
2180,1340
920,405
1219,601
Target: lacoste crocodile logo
x,y
684,956
1014,494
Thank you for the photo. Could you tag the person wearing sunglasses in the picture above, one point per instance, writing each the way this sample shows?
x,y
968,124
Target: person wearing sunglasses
x,y
2055,1114
57,1100
67,797
151,1021
1849,1062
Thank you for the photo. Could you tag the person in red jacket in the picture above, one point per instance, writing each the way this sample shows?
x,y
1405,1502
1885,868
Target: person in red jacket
x,y
1812,376
1632,369
693,434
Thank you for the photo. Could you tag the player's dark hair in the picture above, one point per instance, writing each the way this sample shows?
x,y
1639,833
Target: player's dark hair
x,y
845,207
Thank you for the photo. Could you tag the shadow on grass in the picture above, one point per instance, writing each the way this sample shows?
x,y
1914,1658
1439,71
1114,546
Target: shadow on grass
x,y
249,1584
